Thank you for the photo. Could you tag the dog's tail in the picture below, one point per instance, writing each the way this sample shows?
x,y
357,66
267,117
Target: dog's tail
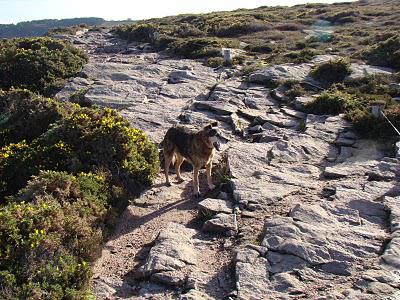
x,y
161,153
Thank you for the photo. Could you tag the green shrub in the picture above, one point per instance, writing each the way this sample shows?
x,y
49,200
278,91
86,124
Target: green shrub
x,y
49,232
215,62
343,17
260,47
386,53
301,56
78,97
328,103
201,47
332,72
25,116
294,89
82,140
38,64
377,84
239,28
369,126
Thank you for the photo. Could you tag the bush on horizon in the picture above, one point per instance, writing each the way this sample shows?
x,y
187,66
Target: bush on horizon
x,y
39,64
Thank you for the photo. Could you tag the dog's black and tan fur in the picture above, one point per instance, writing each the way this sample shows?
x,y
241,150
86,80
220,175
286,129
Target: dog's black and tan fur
x,y
196,147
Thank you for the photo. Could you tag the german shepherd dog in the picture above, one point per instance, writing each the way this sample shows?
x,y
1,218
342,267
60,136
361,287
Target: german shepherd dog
x,y
196,147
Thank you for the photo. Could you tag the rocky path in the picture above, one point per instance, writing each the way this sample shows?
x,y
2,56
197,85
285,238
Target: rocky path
x,y
310,212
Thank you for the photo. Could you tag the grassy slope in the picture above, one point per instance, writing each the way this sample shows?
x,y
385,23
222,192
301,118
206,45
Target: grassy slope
x,y
279,34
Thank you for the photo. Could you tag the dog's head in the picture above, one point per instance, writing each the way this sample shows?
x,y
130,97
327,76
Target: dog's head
x,y
212,134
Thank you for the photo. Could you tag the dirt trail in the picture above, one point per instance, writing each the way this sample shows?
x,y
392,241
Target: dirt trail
x,y
138,227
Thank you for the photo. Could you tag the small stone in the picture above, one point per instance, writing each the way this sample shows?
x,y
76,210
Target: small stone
x,y
255,129
222,223
248,214
223,196
337,268
214,206
171,278
301,102
191,283
250,103
328,191
334,173
379,288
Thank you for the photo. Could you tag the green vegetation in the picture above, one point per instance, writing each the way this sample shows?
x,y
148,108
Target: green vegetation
x,y
329,103
79,98
72,139
39,64
65,172
355,102
280,34
385,53
294,89
53,222
333,71
49,232
201,47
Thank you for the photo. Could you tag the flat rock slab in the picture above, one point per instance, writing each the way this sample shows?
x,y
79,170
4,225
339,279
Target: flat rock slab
x,y
221,223
169,259
214,206
300,103
335,173
317,243
360,70
281,73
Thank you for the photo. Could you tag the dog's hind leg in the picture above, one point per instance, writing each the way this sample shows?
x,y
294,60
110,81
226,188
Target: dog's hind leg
x,y
196,190
168,157
209,178
178,164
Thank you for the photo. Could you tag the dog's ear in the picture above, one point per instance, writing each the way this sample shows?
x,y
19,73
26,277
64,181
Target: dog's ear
x,y
212,132
211,125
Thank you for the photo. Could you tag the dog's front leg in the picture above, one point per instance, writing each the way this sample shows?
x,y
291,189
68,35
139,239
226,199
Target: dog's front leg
x,y
209,178
196,190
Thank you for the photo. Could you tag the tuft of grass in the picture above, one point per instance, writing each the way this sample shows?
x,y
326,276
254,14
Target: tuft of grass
x,y
331,72
328,103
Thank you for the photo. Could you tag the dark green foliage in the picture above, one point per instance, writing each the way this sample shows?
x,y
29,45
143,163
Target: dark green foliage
x,y
79,98
200,47
386,53
369,126
49,232
25,116
77,140
240,28
260,47
215,62
343,17
331,103
301,56
294,89
331,72
38,64
51,229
